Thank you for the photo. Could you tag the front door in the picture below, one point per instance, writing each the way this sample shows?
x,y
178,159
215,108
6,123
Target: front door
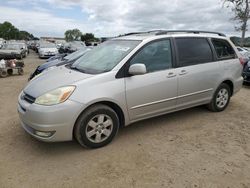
x,y
155,92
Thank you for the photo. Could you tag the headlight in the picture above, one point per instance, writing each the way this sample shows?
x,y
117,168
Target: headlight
x,y
56,96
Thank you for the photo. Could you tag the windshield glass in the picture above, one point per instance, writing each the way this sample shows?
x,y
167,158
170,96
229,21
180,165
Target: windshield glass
x,y
12,46
75,55
48,45
105,57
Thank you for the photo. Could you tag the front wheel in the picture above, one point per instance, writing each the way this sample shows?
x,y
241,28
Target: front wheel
x,y
96,127
220,99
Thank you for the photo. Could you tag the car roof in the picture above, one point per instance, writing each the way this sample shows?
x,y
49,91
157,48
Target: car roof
x,y
163,34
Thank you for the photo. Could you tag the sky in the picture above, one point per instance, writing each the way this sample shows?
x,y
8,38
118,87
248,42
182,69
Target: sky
x,y
107,18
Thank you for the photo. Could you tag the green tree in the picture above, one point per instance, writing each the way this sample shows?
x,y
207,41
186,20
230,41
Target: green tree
x,y
9,31
24,35
241,9
88,37
71,35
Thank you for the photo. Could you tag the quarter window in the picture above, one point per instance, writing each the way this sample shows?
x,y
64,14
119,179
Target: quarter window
x,y
223,49
193,51
155,56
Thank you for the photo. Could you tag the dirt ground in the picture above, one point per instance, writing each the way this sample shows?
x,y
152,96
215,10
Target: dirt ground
x,y
191,148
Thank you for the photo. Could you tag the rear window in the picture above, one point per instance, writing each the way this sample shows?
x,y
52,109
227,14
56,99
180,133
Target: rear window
x,y
223,49
192,51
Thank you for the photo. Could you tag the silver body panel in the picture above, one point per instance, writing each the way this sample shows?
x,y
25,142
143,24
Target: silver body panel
x,y
139,97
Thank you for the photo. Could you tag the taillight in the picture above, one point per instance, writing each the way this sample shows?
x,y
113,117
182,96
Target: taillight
x,y
242,61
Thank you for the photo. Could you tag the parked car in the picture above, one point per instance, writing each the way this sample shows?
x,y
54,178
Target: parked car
x,y
246,72
2,41
72,46
47,50
11,51
24,48
71,58
22,45
128,79
57,56
244,52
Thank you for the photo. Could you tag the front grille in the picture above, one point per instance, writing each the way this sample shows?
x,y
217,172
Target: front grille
x,y
29,98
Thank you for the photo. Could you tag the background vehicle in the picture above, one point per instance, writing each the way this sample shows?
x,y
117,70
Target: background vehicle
x,y
8,67
47,50
71,46
11,51
69,59
128,79
244,52
246,72
57,56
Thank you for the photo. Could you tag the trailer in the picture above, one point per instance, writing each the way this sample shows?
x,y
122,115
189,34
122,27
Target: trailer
x,y
9,67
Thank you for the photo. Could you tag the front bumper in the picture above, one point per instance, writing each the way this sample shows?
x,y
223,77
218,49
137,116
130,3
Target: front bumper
x,y
10,56
47,55
57,119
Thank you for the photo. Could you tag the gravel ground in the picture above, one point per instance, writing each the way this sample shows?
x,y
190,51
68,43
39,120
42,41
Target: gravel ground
x,y
191,148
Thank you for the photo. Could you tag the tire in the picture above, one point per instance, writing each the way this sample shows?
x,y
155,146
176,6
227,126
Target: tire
x,y
20,57
3,73
220,99
10,72
90,126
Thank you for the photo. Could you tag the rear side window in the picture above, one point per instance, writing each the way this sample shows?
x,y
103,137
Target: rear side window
x,y
223,49
192,51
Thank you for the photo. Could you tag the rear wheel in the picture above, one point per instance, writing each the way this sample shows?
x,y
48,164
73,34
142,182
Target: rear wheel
x,y
96,127
220,99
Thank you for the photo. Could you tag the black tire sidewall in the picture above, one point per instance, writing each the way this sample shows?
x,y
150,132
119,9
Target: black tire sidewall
x,y
222,86
81,124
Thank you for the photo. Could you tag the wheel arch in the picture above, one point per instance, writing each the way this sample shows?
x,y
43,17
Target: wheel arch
x,y
230,84
110,104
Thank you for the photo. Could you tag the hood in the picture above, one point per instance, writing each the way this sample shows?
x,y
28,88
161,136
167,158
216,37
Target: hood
x,y
49,64
52,79
6,51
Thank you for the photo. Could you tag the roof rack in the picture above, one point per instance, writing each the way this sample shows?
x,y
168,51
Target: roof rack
x,y
143,32
163,32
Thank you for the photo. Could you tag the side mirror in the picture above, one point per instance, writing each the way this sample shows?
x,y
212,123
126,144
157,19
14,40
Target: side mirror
x,y
137,69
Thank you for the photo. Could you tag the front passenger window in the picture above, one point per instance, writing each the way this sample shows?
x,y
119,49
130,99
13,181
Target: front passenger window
x,y
155,56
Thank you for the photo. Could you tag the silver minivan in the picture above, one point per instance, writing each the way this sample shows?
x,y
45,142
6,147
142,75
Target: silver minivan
x,y
127,79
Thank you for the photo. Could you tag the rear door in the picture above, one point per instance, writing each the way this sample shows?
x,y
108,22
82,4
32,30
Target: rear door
x,y
198,73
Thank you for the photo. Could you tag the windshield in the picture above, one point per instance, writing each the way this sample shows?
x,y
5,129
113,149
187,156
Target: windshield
x,y
75,54
48,45
105,57
12,46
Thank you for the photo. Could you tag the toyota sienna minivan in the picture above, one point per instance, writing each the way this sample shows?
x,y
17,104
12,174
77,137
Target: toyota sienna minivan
x,y
127,79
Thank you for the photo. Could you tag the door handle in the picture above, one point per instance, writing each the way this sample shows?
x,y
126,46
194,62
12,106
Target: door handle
x,y
183,72
171,74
